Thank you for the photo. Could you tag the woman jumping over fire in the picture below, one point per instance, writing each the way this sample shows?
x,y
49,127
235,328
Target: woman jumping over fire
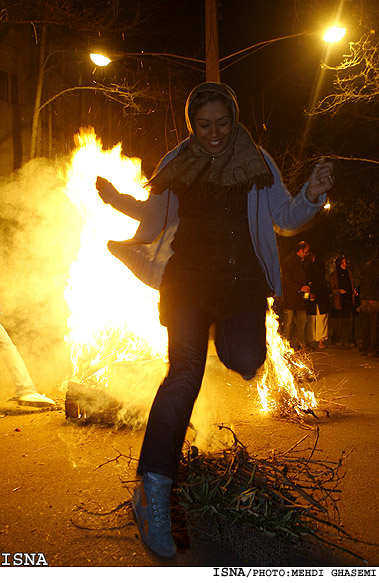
x,y
206,241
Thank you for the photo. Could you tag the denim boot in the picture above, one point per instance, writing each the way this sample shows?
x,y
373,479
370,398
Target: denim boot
x,y
151,505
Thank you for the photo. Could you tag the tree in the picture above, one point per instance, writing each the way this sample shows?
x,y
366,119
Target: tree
x,y
60,25
84,16
135,97
356,77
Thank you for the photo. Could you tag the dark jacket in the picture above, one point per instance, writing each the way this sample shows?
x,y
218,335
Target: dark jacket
x,y
319,288
338,300
370,281
293,279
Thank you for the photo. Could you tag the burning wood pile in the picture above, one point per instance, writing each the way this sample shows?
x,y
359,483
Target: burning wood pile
x,y
280,388
90,397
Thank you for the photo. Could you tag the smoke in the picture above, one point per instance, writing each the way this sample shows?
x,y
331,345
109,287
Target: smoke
x,y
41,238
135,385
40,231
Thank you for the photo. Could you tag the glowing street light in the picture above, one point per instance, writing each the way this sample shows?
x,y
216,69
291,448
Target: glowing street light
x,y
213,62
102,61
334,34
99,60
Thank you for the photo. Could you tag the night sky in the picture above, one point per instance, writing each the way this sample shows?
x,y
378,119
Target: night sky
x,y
275,83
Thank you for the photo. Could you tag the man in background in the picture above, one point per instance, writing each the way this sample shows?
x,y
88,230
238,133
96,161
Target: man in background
x,y
296,290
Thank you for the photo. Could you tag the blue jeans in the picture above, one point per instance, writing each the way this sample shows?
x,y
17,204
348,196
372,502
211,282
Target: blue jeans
x,y
240,342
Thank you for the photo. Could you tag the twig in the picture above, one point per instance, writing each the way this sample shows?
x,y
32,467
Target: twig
x,y
115,459
295,445
82,527
126,504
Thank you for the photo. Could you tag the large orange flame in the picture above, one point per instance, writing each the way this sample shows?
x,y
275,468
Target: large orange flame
x,y
278,389
113,315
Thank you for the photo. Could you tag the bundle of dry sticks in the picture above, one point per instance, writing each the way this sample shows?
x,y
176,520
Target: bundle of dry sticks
x,y
287,496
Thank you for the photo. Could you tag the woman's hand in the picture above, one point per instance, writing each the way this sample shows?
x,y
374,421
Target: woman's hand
x,y
321,179
106,189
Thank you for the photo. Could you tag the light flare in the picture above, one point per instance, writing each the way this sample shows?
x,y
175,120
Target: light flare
x,y
100,60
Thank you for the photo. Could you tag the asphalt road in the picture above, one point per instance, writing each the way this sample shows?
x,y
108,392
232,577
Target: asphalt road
x,y
55,472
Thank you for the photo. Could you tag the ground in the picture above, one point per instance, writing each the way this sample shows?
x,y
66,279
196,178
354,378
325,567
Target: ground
x,y
56,471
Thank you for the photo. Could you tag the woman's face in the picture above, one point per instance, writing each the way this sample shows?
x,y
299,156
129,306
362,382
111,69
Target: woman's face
x,y
343,263
213,126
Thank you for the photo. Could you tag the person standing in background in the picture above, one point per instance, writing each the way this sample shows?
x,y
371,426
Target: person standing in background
x,y
369,292
343,312
318,305
296,290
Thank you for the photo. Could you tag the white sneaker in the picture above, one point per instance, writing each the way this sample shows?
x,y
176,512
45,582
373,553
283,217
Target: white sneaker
x,y
35,399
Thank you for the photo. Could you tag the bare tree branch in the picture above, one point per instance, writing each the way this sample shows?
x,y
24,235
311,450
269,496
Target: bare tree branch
x,y
126,96
83,16
357,77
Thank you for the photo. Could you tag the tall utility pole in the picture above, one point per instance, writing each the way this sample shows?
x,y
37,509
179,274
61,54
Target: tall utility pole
x,y
212,56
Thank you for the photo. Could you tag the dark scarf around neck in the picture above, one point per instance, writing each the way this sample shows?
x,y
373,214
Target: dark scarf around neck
x,y
343,276
237,169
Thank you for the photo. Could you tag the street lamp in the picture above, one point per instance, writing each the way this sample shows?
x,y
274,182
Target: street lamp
x,y
99,60
334,34
102,60
212,62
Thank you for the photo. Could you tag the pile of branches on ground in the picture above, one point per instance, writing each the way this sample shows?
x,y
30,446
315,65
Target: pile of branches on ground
x,y
271,511
261,507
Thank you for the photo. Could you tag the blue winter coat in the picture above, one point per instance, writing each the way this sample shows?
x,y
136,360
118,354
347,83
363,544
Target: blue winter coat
x,y
148,252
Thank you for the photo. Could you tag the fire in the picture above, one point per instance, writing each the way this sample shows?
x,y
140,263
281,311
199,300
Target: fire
x,y
278,388
113,315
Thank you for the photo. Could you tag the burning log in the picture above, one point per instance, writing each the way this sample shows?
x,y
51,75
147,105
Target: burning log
x,y
121,395
88,404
